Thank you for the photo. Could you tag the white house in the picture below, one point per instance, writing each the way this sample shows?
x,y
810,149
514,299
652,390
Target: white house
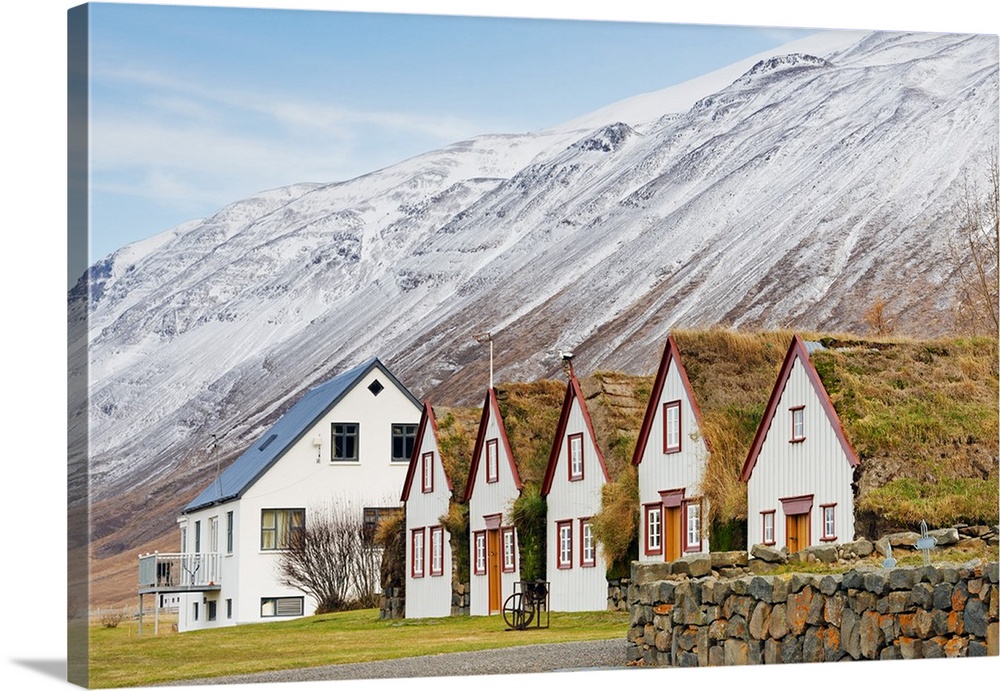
x,y
670,456
576,473
427,493
800,466
493,484
346,443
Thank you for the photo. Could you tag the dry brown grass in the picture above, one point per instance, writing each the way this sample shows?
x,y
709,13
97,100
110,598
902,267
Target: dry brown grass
x,y
617,403
530,412
456,432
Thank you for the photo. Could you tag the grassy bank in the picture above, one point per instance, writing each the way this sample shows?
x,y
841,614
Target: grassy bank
x,y
118,657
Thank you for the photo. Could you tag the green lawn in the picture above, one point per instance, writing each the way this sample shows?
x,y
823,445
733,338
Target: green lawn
x,y
118,657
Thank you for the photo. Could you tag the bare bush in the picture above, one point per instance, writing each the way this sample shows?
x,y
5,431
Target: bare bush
x,y
110,619
334,559
974,255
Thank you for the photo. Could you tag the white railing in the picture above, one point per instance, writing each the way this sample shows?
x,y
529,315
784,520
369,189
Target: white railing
x,y
180,571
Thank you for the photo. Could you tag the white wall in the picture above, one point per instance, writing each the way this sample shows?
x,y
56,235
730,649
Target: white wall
x,y
487,499
429,596
579,588
682,470
817,466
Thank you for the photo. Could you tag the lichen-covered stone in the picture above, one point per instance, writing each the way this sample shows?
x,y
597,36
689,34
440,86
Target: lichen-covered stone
x,y
871,636
760,620
833,609
894,602
736,652
813,648
918,624
779,621
693,565
902,578
957,647
650,572
976,618
737,628
876,582
830,584
772,652
798,610
910,648
769,554
922,595
734,558
942,596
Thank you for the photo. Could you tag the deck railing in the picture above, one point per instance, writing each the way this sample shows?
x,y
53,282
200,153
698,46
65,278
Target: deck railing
x,y
173,571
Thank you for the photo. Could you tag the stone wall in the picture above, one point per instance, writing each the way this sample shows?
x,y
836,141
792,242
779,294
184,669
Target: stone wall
x,y
393,602
866,613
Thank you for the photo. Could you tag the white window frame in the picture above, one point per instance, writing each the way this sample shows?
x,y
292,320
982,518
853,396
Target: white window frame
x,y
671,427
427,472
654,529
692,524
437,550
576,456
588,548
768,527
479,545
492,460
798,423
829,521
509,563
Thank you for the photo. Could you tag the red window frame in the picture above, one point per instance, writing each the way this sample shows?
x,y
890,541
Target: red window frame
x,y
799,411
578,437
508,559
763,527
825,536
685,506
492,460
564,557
421,534
647,510
479,552
427,472
586,523
437,551
667,407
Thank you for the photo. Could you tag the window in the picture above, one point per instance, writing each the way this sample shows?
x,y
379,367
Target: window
x,y
427,472
376,387
768,532
279,526
229,608
692,522
281,606
403,437
437,550
653,543
197,538
798,424
345,441
195,611
210,610
372,516
509,550
229,532
672,427
564,531
588,551
184,540
417,553
492,461
576,456
479,546
213,534
829,522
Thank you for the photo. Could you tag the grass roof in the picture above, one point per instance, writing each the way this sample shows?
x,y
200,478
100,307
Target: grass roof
x,y
456,436
530,412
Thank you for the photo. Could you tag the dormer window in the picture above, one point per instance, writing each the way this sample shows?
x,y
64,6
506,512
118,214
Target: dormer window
x,y
798,424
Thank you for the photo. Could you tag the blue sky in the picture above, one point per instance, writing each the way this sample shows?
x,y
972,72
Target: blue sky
x,y
195,107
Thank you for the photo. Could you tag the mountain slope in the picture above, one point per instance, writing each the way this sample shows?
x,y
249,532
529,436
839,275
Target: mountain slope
x,y
792,194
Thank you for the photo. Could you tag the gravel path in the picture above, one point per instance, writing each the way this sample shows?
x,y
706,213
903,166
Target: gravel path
x,y
555,657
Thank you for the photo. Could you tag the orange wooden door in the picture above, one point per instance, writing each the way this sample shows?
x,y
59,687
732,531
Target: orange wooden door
x,y
493,568
672,534
797,532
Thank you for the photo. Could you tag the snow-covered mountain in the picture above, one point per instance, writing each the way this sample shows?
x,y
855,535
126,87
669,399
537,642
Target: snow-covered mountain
x,y
791,189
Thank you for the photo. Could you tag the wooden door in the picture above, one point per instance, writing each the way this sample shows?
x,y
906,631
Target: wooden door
x,y
797,532
672,533
493,568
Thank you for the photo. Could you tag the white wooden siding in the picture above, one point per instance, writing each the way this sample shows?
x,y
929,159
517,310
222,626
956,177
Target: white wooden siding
x,y
817,466
576,589
489,498
429,596
682,470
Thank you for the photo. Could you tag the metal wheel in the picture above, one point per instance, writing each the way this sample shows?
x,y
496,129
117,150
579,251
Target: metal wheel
x,y
514,613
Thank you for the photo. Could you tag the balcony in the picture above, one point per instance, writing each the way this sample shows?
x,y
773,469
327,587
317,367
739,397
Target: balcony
x,y
172,572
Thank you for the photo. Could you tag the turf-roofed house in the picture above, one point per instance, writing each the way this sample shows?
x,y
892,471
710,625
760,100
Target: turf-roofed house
x,y
864,437
343,448
506,512
706,399
436,527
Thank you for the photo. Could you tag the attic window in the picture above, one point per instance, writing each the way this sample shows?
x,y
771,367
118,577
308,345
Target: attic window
x,y
267,442
375,387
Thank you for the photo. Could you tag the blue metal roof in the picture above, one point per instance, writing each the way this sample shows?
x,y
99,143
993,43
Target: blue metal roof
x,y
272,445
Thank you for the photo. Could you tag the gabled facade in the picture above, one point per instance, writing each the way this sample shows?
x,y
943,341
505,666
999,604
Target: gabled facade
x,y
800,466
427,493
670,456
493,485
575,475
345,443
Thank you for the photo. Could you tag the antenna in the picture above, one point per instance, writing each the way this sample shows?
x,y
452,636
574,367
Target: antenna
x,y
487,337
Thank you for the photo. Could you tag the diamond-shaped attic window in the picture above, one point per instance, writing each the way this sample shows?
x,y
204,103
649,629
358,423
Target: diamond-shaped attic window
x,y
375,387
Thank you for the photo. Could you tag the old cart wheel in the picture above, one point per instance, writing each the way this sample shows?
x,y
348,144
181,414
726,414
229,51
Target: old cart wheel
x,y
514,613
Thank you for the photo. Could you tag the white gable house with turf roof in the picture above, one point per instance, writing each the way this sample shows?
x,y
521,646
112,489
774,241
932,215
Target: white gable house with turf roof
x,y
427,493
345,444
800,467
